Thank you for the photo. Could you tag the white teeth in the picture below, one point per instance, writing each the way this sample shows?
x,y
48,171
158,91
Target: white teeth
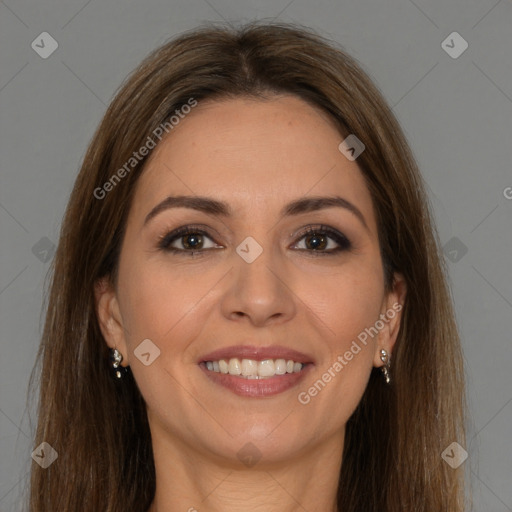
x,y
234,366
266,368
249,368
223,366
280,366
252,369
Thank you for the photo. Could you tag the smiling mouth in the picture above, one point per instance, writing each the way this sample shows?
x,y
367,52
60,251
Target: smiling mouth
x,y
253,378
254,369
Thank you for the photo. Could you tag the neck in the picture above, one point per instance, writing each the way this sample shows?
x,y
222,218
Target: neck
x,y
189,481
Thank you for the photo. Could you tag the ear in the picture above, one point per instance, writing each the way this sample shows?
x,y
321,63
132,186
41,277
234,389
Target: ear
x,y
391,314
109,317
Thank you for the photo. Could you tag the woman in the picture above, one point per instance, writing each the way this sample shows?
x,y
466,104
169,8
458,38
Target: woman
x,y
248,306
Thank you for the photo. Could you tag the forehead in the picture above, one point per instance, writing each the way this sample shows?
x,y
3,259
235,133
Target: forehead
x,y
252,153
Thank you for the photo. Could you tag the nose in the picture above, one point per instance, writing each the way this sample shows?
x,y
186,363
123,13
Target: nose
x,y
258,292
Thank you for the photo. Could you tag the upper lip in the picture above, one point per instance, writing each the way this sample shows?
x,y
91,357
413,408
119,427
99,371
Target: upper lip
x,y
257,353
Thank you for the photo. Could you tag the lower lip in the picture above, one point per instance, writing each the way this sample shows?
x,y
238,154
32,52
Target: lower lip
x,y
257,388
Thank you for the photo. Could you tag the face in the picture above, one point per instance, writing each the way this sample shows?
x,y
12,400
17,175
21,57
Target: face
x,y
274,257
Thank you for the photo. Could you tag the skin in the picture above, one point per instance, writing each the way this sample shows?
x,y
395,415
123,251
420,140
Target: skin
x,y
257,156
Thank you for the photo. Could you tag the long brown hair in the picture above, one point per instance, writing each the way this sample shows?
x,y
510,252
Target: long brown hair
x,y
394,440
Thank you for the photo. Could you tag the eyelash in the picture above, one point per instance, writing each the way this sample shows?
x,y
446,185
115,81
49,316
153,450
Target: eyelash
x,y
165,241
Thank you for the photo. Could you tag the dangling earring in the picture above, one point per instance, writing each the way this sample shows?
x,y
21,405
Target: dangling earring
x,y
115,360
385,369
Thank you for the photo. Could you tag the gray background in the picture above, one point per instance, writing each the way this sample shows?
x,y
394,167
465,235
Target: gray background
x,y
457,115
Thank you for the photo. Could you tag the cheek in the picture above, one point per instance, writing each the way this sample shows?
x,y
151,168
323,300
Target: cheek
x,y
163,304
345,302
346,306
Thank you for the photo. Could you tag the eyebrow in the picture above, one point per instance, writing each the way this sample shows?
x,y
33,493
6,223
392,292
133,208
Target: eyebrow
x,y
221,209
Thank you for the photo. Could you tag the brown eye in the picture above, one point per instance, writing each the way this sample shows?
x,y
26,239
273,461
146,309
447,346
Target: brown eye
x,y
316,242
322,240
192,241
188,240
